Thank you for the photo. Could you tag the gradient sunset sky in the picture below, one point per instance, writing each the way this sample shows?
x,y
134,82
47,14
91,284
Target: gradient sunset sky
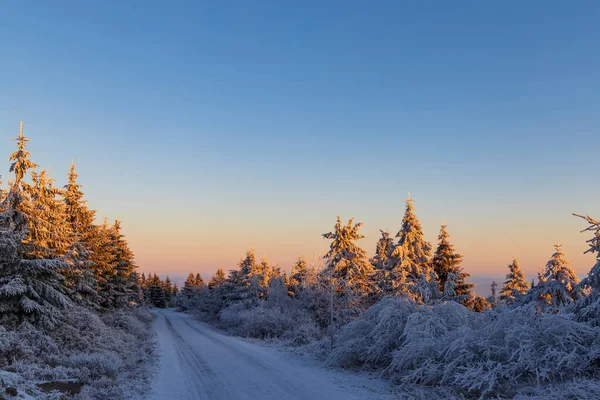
x,y
214,127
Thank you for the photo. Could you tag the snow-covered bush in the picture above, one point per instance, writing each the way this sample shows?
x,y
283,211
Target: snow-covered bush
x,y
372,338
496,353
108,354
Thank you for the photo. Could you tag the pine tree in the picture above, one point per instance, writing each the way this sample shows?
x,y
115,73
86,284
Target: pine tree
x,y
588,307
410,257
382,265
188,286
198,281
248,281
515,284
348,268
175,289
168,288
157,296
445,262
301,277
81,278
217,280
560,281
121,285
103,259
30,290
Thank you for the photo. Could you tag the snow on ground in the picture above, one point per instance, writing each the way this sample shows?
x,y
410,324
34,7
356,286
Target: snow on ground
x,y
198,362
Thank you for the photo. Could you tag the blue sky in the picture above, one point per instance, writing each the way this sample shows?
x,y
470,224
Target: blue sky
x,y
211,127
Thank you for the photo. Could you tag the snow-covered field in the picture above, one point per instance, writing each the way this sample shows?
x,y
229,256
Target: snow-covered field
x,y
198,362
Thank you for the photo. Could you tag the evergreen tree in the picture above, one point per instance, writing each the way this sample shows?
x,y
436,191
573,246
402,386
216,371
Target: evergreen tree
x,y
560,281
515,284
302,276
175,289
382,265
445,262
168,288
157,296
30,290
410,257
217,280
348,268
80,278
188,286
121,284
104,259
248,281
198,281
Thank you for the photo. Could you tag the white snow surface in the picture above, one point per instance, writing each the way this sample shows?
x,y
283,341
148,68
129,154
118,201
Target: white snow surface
x,y
198,362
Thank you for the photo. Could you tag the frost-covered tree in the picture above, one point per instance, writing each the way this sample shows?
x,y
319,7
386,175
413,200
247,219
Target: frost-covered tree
x,y
198,281
301,277
167,286
217,280
559,281
410,258
121,281
80,276
188,285
446,261
30,289
515,284
248,283
588,307
382,265
348,268
102,257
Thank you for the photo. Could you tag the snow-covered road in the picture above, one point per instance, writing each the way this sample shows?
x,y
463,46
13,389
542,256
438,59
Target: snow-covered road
x,y
197,362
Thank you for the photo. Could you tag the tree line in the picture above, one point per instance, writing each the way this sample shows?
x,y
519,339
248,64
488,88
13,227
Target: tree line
x,y
350,282
52,252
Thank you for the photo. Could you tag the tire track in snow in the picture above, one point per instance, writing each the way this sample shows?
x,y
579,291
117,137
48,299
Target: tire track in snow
x,y
281,380
212,388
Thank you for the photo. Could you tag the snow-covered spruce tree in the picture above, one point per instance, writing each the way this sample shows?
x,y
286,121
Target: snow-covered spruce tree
x,y
80,279
559,282
348,269
382,264
189,283
30,289
167,286
193,288
515,284
198,281
122,284
249,281
103,259
411,270
588,307
217,280
447,261
302,276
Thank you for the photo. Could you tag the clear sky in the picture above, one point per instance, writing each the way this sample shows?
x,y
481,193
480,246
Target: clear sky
x,y
213,127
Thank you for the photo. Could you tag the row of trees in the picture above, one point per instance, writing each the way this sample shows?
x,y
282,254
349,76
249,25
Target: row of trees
x,y
350,282
157,292
52,253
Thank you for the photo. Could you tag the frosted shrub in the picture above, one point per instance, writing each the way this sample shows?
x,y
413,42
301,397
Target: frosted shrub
x,y
496,355
372,338
96,365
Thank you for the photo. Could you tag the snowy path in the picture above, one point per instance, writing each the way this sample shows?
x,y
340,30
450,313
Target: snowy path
x,y
197,362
